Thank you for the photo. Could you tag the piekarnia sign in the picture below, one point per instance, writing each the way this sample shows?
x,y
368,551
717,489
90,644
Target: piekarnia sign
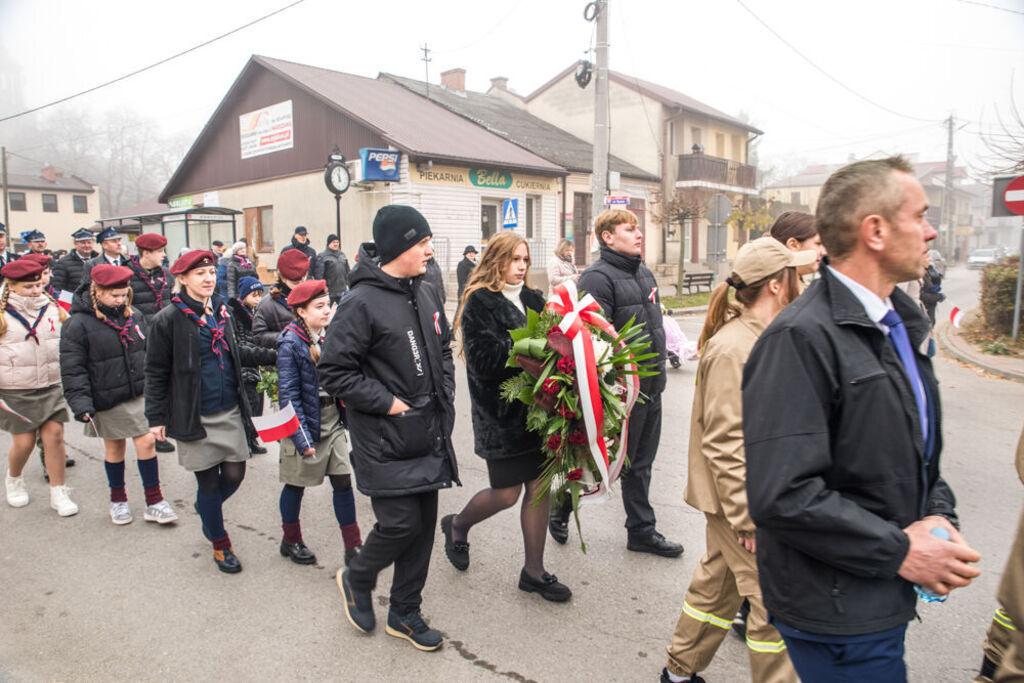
x,y
266,130
483,178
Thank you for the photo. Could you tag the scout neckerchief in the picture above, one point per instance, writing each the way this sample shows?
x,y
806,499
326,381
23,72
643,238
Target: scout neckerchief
x,y
52,291
218,343
157,288
295,327
21,319
124,332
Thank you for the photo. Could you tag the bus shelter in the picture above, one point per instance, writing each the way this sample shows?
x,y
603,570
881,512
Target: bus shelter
x,y
192,228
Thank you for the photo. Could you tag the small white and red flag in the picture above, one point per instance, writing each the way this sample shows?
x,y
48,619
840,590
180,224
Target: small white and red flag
x,y
280,425
956,316
64,300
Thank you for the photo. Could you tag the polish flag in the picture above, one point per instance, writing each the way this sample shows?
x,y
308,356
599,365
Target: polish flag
x,y
956,316
64,300
278,426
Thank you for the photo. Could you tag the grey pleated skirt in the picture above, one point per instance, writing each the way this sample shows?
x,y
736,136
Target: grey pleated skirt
x,y
331,453
225,442
124,421
35,405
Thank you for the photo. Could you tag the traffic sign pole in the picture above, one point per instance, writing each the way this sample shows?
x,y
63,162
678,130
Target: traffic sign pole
x,y
1013,199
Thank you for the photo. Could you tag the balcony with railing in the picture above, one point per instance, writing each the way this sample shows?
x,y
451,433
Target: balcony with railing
x,y
702,168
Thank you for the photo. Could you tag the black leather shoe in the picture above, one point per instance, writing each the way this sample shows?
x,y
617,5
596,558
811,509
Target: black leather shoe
x,y
655,544
164,446
298,552
694,678
257,449
457,551
548,587
559,529
350,554
739,622
358,604
226,561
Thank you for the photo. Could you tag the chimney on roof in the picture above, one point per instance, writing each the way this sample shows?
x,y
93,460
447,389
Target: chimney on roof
x,y
49,174
454,79
499,83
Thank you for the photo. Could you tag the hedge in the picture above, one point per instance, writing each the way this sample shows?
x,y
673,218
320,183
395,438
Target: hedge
x,y
998,289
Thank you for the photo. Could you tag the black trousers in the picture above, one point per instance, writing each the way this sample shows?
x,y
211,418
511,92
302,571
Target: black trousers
x,y
635,482
403,535
255,398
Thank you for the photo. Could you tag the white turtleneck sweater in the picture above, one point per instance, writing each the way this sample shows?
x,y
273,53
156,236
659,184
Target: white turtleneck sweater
x,y
511,293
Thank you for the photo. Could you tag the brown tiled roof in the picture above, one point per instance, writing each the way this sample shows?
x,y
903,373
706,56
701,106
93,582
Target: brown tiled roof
x,y
667,96
409,122
19,181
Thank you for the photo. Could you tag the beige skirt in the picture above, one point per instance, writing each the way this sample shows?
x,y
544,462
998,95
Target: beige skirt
x,y
225,442
35,405
124,421
331,455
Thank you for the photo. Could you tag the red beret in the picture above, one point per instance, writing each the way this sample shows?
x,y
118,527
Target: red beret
x,y
193,259
150,241
306,292
41,259
106,275
293,264
22,270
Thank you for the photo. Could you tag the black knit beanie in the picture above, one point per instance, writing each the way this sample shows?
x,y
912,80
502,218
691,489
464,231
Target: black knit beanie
x,y
331,238
397,228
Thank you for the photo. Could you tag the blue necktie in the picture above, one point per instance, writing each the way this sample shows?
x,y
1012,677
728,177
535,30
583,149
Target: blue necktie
x,y
898,336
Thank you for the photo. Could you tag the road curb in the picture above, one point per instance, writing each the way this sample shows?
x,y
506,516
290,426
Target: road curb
x,y
971,357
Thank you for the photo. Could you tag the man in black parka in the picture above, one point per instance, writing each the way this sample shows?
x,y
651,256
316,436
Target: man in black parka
x,y
626,289
68,272
388,356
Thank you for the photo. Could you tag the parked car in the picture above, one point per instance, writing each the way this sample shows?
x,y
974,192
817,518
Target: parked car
x,y
939,261
980,258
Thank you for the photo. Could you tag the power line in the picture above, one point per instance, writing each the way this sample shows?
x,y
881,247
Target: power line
x,y
985,4
151,66
827,74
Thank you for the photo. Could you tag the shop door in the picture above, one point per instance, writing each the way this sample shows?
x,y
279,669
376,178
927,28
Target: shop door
x,y
488,221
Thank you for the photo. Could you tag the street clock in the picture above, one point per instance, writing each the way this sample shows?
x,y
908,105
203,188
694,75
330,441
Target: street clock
x,y
336,175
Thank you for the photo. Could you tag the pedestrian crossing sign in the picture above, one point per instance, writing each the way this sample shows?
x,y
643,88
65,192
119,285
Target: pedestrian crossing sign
x,y
510,212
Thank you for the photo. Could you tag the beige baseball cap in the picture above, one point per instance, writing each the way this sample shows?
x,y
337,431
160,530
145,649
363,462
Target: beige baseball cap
x,y
766,256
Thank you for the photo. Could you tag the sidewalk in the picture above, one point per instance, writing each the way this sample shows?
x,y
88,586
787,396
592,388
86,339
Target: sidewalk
x,y
964,351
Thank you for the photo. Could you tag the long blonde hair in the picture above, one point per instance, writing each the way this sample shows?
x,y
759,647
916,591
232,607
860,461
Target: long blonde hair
x,y
314,352
95,290
721,310
6,296
490,272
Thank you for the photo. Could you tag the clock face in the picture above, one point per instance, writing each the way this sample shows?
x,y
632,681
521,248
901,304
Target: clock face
x,y
338,178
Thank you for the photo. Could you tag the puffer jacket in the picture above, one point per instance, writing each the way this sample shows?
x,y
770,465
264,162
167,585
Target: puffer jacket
x,y
332,267
68,272
151,289
390,338
98,371
499,427
271,317
837,465
560,270
237,268
243,331
716,460
24,362
626,289
298,385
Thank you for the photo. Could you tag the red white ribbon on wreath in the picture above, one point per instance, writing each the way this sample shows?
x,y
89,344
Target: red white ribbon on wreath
x,y
576,311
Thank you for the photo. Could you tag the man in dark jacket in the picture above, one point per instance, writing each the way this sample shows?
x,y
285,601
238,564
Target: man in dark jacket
x,y
388,356
68,272
626,289
110,244
842,430
332,266
465,267
300,241
5,256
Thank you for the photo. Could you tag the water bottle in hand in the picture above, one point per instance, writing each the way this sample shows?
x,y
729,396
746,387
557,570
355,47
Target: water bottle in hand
x,y
923,593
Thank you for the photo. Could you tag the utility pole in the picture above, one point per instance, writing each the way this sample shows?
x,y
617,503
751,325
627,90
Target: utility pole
x,y
599,182
426,59
947,193
3,180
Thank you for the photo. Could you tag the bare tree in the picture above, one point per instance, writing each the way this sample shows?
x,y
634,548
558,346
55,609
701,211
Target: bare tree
x,y
1006,148
687,204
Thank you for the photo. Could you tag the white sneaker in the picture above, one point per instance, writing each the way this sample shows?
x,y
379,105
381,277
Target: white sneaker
x,y
120,513
161,513
61,501
17,496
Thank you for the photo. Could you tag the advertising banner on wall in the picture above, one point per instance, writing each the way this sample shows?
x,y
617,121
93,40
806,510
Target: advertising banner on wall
x,y
266,130
380,164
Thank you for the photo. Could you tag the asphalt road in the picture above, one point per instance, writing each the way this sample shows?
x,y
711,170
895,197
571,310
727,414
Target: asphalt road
x,y
85,600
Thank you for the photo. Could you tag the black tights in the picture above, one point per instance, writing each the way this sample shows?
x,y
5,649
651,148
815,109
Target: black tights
x,y
532,517
224,479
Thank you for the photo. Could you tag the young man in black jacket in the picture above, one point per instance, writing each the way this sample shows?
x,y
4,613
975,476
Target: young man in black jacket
x,y
388,357
842,429
626,289
332,267
67,272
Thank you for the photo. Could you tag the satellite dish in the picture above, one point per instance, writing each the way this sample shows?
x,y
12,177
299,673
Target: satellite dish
x,y
584,71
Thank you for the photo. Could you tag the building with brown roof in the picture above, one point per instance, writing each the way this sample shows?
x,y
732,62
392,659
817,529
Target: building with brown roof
x,y
51,202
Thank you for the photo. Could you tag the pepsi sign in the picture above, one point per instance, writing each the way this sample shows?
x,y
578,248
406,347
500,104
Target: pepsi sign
x,y
380,164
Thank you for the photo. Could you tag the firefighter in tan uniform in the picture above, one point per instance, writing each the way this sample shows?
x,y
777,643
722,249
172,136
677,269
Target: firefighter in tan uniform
x,y
1004,642
765,281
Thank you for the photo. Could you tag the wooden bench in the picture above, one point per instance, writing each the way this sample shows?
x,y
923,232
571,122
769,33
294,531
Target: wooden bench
x,y
698,280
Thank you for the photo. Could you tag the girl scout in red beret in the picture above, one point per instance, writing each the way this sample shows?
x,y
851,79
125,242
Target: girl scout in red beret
x,y
194,392
317,449
102,363
31,398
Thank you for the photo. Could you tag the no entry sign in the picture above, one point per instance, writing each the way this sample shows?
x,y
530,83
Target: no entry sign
x,y
1013,196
